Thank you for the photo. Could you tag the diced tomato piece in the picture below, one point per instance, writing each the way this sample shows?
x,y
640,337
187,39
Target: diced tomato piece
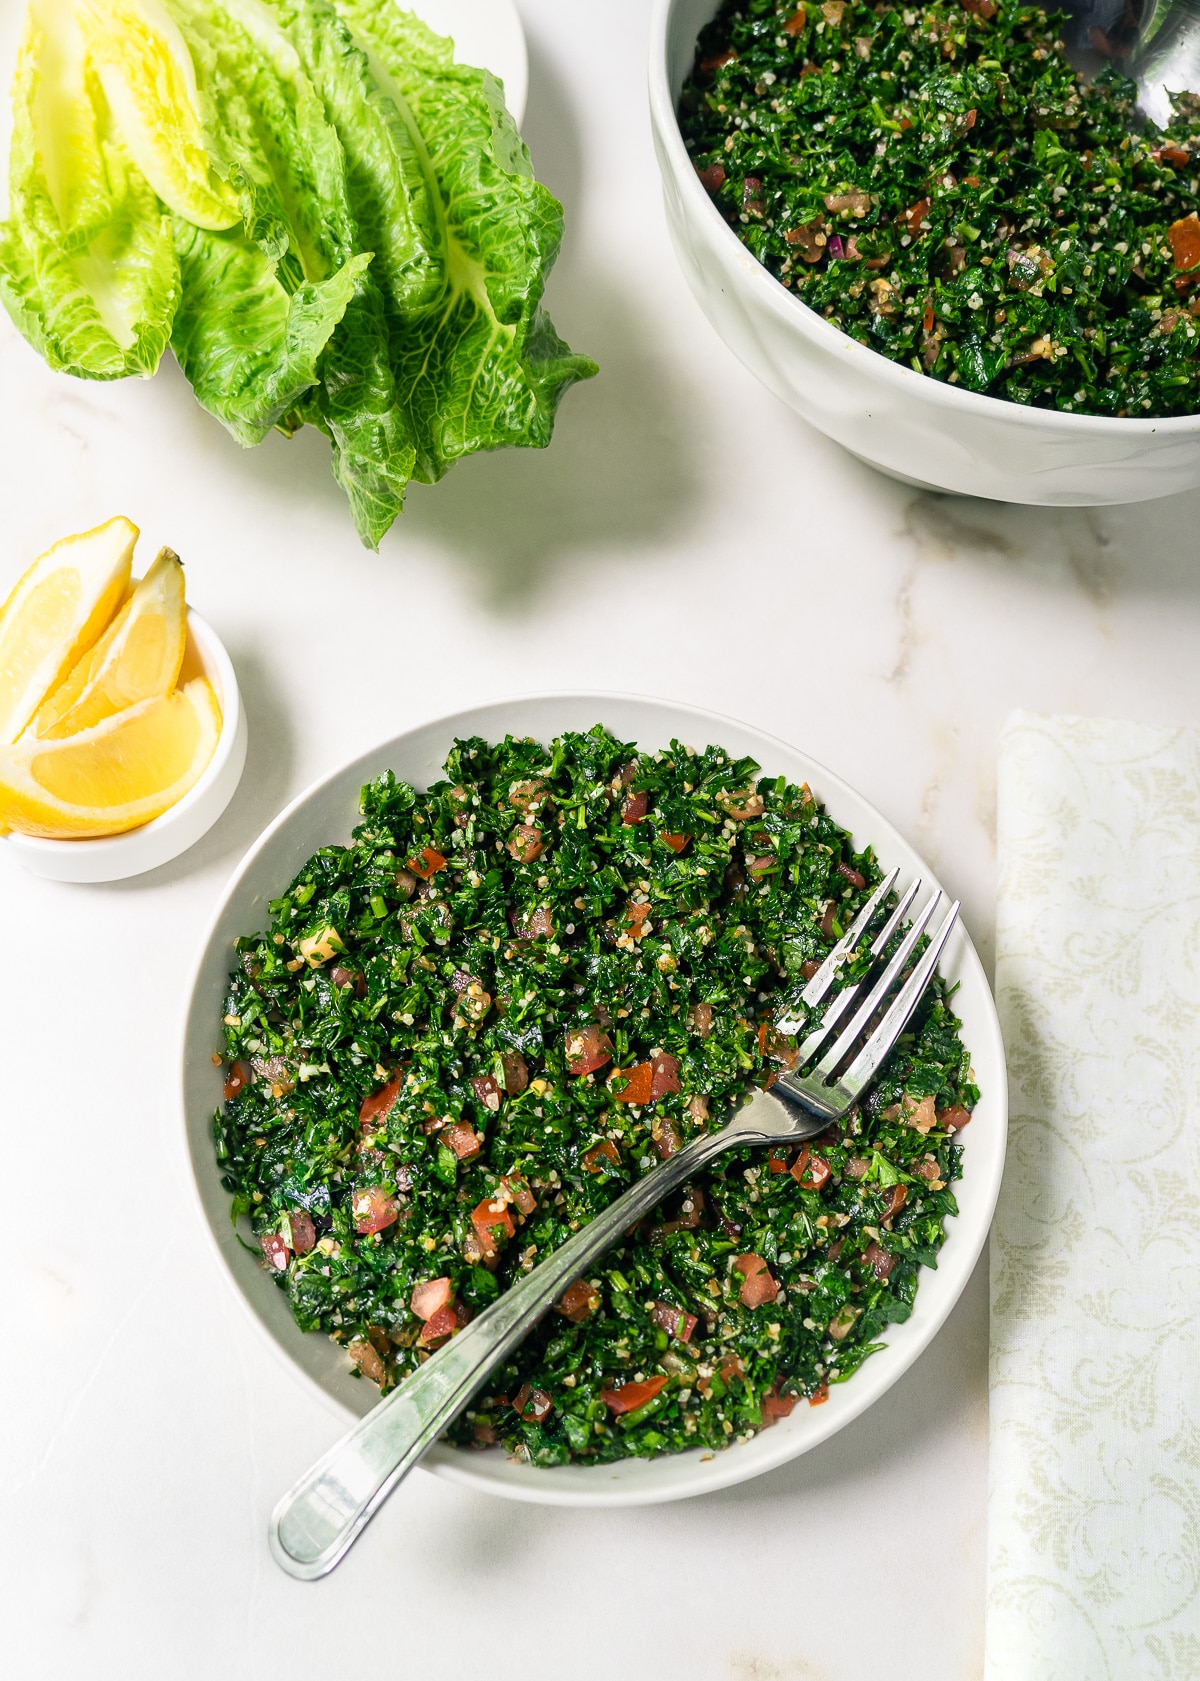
x,y
377,1104
954,1118
606,1147
487,1090
463,1140
674,841
1174,155
820,1394
427,863
777,1161
743,805
373,1209
795,24
857,1167
712,179
810,1172
915,215
896,1201
758,1287
879,1261
675,1321
587,1048
985,10
516,1073
700,1019
519,1194
775,1406
429,1296
304,1232
635,915
238,1077
483,1433
439,1326
709,66
493,1223
275,1247
368,1360
730,1368
531,1404
526,795
666,1075
630,1396
665,1140
535,925
1185,241
526,843
632,1085
697,1108
579,1301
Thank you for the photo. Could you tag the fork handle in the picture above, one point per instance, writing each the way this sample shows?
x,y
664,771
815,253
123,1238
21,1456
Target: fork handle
x,y
322,1516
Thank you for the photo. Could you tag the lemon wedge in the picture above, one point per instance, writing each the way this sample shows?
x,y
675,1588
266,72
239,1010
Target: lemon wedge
x,y
126,770
137,658
61,605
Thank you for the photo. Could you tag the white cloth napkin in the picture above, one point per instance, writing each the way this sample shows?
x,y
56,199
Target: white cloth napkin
x,y
1094,1499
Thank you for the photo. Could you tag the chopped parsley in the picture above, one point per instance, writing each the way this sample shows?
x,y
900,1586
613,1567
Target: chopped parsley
x,y
939,183
466,1032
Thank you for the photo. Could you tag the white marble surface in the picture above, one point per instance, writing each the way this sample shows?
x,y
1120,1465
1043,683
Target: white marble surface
x,y
687,536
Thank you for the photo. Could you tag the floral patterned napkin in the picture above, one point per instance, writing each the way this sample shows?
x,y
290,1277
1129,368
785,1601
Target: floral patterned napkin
x,y
1094,1504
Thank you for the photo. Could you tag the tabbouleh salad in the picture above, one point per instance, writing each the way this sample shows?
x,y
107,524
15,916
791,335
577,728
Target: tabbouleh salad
x,y
467,1031
938,182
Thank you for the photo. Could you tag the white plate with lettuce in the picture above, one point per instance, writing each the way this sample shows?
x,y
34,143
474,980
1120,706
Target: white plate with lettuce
x,y
319,206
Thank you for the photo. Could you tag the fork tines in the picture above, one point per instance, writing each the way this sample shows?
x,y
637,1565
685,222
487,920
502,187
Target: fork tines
x,y
818,1085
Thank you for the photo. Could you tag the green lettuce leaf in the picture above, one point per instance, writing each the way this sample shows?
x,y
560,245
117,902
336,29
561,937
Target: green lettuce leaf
x,y
300,132
249,348
87,262
328,219
484,368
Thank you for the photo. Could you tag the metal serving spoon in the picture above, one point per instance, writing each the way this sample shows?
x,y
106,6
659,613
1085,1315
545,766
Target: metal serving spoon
x,y
318,1520
1157,42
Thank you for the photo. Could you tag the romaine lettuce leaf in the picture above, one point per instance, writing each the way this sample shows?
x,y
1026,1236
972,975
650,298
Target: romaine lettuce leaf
x,y
330,220
484,367
137,54
314,154
249,349
87,262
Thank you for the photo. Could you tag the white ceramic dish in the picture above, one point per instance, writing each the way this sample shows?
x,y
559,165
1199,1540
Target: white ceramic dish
x,y
914,428
117,856
326,813
485,33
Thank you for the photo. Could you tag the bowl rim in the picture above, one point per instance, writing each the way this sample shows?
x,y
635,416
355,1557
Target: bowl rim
x,y
772,294
675,1476
218,668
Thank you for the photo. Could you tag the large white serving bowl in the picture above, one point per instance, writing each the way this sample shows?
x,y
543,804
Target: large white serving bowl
x,y
325,815
912,427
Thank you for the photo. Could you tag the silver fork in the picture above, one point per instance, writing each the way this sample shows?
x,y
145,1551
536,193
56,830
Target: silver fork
x,y
320,1518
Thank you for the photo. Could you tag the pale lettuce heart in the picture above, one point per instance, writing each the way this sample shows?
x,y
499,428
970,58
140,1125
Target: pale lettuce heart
x,y
142,63
87,260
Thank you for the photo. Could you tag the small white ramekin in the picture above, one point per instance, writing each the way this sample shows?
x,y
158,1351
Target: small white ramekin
x,y
912,427
115,857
